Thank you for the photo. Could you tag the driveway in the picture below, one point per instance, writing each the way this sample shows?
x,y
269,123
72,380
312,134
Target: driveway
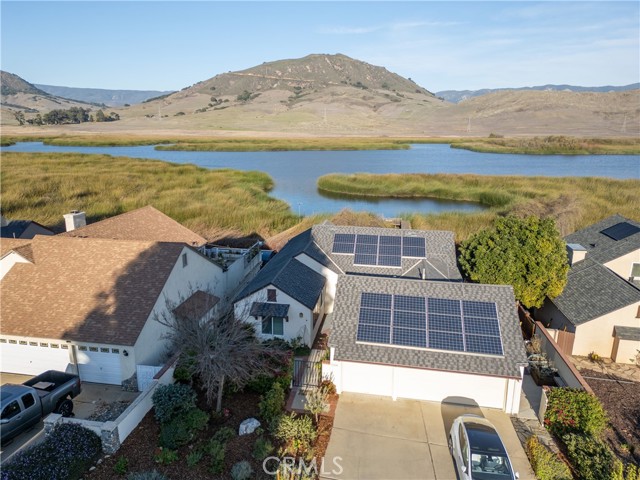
x,y
378,438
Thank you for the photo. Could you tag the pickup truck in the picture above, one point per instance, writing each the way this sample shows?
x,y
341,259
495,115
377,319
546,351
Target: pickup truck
x,y
23,406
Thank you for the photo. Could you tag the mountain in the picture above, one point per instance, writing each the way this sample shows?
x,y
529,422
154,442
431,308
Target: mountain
x,y
456,96
12,85
111,98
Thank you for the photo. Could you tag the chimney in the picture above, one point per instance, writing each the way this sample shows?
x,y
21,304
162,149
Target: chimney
x,y
74,219
576,253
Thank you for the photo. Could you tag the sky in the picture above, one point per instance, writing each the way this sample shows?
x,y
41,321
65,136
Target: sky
x,y
454,45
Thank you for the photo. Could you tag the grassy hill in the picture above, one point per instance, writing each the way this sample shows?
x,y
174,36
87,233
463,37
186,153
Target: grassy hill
x,y
111,98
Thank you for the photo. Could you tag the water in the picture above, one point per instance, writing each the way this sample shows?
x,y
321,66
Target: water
x,y
295,173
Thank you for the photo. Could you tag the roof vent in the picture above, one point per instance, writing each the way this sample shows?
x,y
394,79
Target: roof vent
x,y
576,253
74,219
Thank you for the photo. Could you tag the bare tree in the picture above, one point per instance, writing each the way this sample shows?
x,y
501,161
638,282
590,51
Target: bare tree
x,y
219,347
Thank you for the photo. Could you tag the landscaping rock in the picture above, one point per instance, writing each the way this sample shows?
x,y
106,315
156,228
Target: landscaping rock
x,y
248,426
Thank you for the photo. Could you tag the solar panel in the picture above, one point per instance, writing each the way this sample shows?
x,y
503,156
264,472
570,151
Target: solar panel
x,y
373,333
375,300
389,260
366,248
390,250
411,304
479,309
369,239
413,247
409,320
343,248
446,341
621,230
343,243
444,306
445,323
364,259
482,326
374,316
409,337
394,241
484,344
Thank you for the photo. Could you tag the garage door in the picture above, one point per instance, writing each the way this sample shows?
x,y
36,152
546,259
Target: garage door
x,y
99,365
32,357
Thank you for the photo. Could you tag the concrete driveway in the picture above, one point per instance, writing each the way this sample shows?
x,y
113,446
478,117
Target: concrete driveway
x,y
378,438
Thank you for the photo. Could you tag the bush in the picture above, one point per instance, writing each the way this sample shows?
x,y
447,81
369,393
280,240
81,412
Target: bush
x,y
151,475
571,410
171,401
181,430
546,465
166,456
196,419
65,454
194,458
272,404
329,387
121,466
262,448
216,451
241,471
590,456
224,435
296,432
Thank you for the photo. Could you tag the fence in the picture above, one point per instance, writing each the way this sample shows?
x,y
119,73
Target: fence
x,y
306,373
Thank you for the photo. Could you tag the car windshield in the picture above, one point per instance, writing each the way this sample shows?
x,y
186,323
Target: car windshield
x,y
490,467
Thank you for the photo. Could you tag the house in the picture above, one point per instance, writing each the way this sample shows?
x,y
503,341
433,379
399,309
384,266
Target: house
x,y
427,340
22,229
291,295
89,304
601,303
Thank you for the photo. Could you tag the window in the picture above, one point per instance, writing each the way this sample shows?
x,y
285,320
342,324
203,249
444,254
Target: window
x,y
464,448
82,348
28,400
93,349
43,344
273,326
13,342
64,346
271,294
3,340
33,344
55,345
104,350
23,342
115,350
184,260
10,410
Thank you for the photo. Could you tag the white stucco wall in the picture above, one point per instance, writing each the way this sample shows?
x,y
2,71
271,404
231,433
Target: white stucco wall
x,y
300,323
330,276
8,261
422,384
597,335
625,351
622,265
238,274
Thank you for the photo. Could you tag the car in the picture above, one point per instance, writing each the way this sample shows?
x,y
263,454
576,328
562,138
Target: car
x,y
478,451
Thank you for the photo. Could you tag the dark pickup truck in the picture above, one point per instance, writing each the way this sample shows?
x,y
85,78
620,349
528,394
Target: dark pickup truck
x,y
23,406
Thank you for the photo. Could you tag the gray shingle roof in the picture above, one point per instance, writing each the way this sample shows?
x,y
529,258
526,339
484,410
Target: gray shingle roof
x,y
628,333
262,309
592,291
599,246
345,322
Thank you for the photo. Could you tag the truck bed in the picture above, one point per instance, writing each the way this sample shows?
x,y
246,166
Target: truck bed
x,y
48,381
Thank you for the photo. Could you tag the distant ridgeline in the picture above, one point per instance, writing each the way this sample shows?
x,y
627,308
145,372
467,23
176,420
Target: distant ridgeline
x,y
64,117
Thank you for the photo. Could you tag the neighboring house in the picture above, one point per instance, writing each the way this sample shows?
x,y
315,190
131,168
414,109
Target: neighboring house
x,y
290,296
23,229
601,302
427,340
89,305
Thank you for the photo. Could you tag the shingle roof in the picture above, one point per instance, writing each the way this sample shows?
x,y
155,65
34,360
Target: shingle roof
x,y
92,290
263,309
197,305
592,291
345,323
144,224
17,245
627,333
602,248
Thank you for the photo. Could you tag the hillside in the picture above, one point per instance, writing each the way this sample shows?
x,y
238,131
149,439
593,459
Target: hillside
x,y
456,96
111,98
12,84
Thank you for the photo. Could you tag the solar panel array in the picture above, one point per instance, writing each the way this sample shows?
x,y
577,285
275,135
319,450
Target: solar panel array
x,y
380,250
425,322
621,230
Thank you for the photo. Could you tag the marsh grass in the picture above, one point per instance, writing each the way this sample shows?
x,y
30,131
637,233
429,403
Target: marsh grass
x,y
574,202
43,186
553,145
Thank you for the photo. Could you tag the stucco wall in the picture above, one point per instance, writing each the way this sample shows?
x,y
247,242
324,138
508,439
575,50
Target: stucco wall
x,y
238,274
622,265
597,335
625,351
329,275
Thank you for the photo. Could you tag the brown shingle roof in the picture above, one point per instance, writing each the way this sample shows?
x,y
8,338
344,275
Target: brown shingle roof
x,y
17,245
146,224
197,305
86,289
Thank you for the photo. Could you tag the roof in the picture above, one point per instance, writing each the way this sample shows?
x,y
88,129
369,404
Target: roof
x,y
20,246
317,243
197,305
627,333
15,228
262,309
592,291
346,314
144,224
600,246
483,437
86,289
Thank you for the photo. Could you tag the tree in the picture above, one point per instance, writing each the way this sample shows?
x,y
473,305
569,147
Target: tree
x,y
528,254
219,348
100,116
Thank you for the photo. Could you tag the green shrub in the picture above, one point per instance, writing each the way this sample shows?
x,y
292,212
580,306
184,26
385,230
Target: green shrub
x,y
241,471
121,466
171,401
297,433
546,465
224,435
216,451
166,456
329,387
272,404
632,472
193,458
590,456
175,434
262,448
571,410
151,475
196,419
65,454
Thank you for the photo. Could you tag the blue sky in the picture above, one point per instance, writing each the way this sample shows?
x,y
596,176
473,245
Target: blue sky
x,y
162,45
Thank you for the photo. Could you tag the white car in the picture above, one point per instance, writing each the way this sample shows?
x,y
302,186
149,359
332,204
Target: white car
x,y
478,451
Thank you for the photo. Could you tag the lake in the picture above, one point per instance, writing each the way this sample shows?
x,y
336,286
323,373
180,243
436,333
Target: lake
x,y
295,173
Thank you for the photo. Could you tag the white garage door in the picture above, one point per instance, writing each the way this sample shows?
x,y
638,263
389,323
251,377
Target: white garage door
x,y
99,365
32,357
